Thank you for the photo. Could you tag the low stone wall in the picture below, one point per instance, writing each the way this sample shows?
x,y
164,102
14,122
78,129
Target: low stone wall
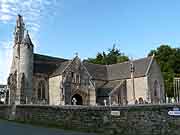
x,y
4,111
133,120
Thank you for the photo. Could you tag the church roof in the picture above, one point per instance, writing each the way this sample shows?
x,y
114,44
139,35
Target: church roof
x,y
54,66
107,88
118,71
46,64
61,68
122,70
97,71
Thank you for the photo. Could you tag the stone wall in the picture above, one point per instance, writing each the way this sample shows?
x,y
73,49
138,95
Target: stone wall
x,y
156,75
133,120
140,86
55,94
4,111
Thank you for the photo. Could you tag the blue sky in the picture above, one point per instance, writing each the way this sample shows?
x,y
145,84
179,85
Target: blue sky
x,y
63,27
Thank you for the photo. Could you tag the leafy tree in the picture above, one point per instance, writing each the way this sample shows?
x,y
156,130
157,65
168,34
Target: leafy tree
x,y
177,62
111,57
169,61
98,60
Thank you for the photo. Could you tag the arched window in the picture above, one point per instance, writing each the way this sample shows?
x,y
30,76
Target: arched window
x,y
156,88
41,90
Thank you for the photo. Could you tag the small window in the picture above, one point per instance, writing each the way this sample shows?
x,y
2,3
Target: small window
x,y
78,78
72,74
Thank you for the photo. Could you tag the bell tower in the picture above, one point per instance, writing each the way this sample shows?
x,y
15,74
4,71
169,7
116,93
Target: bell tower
x,y
20,79
26,69
18,38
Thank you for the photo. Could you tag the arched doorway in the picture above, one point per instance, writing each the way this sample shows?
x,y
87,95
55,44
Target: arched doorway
x,y
77,99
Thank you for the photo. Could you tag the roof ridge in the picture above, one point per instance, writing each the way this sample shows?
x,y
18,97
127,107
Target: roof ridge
x,y
54,73
142,58
50,56
150,63
94,64
129,61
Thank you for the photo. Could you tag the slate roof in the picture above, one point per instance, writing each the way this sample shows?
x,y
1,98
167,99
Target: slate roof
x,y
105,90
61,68
122,70
118,71
54,66
97,71
46,64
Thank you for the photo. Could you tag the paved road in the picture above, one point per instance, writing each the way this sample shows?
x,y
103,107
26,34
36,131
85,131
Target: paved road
x,y
11,128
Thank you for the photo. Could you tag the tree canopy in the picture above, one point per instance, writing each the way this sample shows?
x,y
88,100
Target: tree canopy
x,y
169,60
112,56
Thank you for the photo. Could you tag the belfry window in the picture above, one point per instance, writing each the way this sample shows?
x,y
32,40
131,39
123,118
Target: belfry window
x,y
41,90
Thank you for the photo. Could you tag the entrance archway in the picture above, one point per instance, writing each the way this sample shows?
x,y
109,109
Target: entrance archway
x,y
78,98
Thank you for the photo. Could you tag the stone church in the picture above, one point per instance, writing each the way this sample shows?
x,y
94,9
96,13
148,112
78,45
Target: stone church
x,y
41,79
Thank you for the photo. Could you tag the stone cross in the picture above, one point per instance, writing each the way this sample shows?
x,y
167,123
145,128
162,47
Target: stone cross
x,y
105,102
74,101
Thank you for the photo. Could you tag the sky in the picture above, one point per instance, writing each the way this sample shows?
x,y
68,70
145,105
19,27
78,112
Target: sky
x,y
64,27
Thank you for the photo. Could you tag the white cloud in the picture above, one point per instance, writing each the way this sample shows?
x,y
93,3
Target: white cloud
x,y
5,60
33,11
5,17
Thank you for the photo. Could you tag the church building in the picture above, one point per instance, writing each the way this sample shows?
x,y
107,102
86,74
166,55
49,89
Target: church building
x,y
40,79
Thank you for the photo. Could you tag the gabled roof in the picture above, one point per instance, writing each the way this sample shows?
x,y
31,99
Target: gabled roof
x,y
46,64
118,71
122,70
96,71
54,66
61,68
107,88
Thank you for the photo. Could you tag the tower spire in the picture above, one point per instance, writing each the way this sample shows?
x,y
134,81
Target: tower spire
x,y
19,29
27,39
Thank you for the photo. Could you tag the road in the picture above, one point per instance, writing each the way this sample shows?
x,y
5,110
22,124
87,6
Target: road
x,y
12,128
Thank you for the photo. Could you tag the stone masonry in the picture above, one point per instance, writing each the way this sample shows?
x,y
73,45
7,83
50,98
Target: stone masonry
x,y
133,120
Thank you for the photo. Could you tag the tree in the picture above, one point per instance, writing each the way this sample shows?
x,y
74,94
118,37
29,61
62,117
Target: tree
x,y
111,57
177,62
169,60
